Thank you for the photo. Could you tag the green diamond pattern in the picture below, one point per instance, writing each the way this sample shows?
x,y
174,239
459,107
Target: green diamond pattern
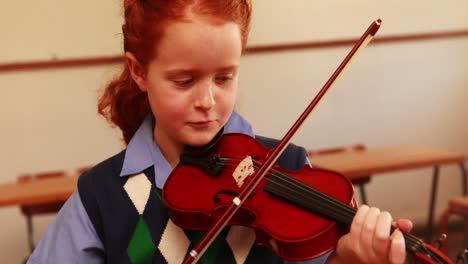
x,y
141,247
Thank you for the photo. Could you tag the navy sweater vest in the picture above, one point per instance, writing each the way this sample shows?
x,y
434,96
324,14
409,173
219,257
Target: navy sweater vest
x,y
114,216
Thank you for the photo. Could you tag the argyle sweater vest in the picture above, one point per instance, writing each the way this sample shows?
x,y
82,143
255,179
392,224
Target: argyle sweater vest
x,y
133,224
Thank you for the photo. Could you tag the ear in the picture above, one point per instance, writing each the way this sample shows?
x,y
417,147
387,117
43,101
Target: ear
x,y
137,71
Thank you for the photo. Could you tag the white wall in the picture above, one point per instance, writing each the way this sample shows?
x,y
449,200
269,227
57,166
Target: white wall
x,y
53,28
393,93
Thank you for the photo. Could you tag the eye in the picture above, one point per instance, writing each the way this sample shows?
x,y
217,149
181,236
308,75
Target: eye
x,y
183,81
224,78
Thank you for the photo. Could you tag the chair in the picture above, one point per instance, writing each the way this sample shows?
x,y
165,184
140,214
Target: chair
x,y
357,182
456,206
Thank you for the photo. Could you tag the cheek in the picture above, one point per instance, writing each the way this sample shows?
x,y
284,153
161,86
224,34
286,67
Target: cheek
x,y
168,107
229,102
229,97
163,104
225,103
229,91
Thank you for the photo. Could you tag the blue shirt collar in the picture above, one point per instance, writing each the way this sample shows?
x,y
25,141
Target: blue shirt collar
x,y
142,152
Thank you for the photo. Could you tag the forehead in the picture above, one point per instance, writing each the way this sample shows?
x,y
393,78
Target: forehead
x,y
199,40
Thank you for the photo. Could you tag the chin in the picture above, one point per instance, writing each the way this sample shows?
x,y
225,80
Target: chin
x,y
200,139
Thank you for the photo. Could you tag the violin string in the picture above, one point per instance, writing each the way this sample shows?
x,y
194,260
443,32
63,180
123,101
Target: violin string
x,y
414,243
330,206
314,198
328,200
331,202
346,210
308,191
298,200
333,206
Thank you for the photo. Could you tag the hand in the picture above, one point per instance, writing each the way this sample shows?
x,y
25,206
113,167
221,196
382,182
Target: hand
x,y
370,241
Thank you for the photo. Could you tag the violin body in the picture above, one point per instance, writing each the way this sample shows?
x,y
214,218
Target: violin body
x,y
198,196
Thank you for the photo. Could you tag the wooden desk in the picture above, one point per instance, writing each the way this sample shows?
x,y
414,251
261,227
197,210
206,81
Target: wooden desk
x,y
358,164
38,191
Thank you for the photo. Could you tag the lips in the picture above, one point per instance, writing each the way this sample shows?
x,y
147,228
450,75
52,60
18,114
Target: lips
x,y
202,124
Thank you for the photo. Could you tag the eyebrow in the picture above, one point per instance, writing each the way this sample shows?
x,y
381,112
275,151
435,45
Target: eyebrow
x,y
182,71
179,72
229,68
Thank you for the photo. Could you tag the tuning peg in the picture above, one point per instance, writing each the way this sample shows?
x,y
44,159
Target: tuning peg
x,y
439,242
462,257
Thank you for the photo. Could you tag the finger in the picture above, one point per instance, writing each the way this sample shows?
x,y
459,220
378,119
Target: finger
x,y
397,248
356,227
358,222
381,241
404,224
367,234
343,248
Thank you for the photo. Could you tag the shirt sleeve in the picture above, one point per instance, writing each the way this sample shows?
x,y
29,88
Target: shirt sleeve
x,y
70,238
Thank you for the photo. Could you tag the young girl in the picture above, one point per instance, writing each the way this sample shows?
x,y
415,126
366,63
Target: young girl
x,y
178,88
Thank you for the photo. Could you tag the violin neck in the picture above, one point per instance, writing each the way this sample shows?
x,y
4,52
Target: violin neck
x,y
306,197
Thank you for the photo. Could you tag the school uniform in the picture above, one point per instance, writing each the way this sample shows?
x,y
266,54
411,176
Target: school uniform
x,y
117,214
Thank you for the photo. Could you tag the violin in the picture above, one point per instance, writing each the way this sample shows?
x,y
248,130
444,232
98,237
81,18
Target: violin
x,y
299,215
286,209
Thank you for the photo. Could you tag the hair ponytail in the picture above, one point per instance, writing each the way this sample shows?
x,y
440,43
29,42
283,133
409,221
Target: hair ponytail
x,y
124,104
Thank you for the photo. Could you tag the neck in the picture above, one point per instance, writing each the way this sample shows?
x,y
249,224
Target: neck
x,y
169,148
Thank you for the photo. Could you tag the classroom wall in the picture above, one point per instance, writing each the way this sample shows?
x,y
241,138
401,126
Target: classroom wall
x,y
395,93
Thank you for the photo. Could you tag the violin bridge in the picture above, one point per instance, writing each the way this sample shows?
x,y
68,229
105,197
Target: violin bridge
x,y
243,170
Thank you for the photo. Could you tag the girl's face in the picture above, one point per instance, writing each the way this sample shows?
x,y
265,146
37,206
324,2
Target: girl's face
x,y
192,82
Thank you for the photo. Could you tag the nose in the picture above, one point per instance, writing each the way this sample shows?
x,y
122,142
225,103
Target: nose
x,y
204,97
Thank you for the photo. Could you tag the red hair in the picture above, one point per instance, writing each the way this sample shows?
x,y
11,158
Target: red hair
x,y
122,102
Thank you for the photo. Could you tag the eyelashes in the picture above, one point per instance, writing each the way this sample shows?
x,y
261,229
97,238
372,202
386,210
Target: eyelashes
x,y
188,81
183,82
